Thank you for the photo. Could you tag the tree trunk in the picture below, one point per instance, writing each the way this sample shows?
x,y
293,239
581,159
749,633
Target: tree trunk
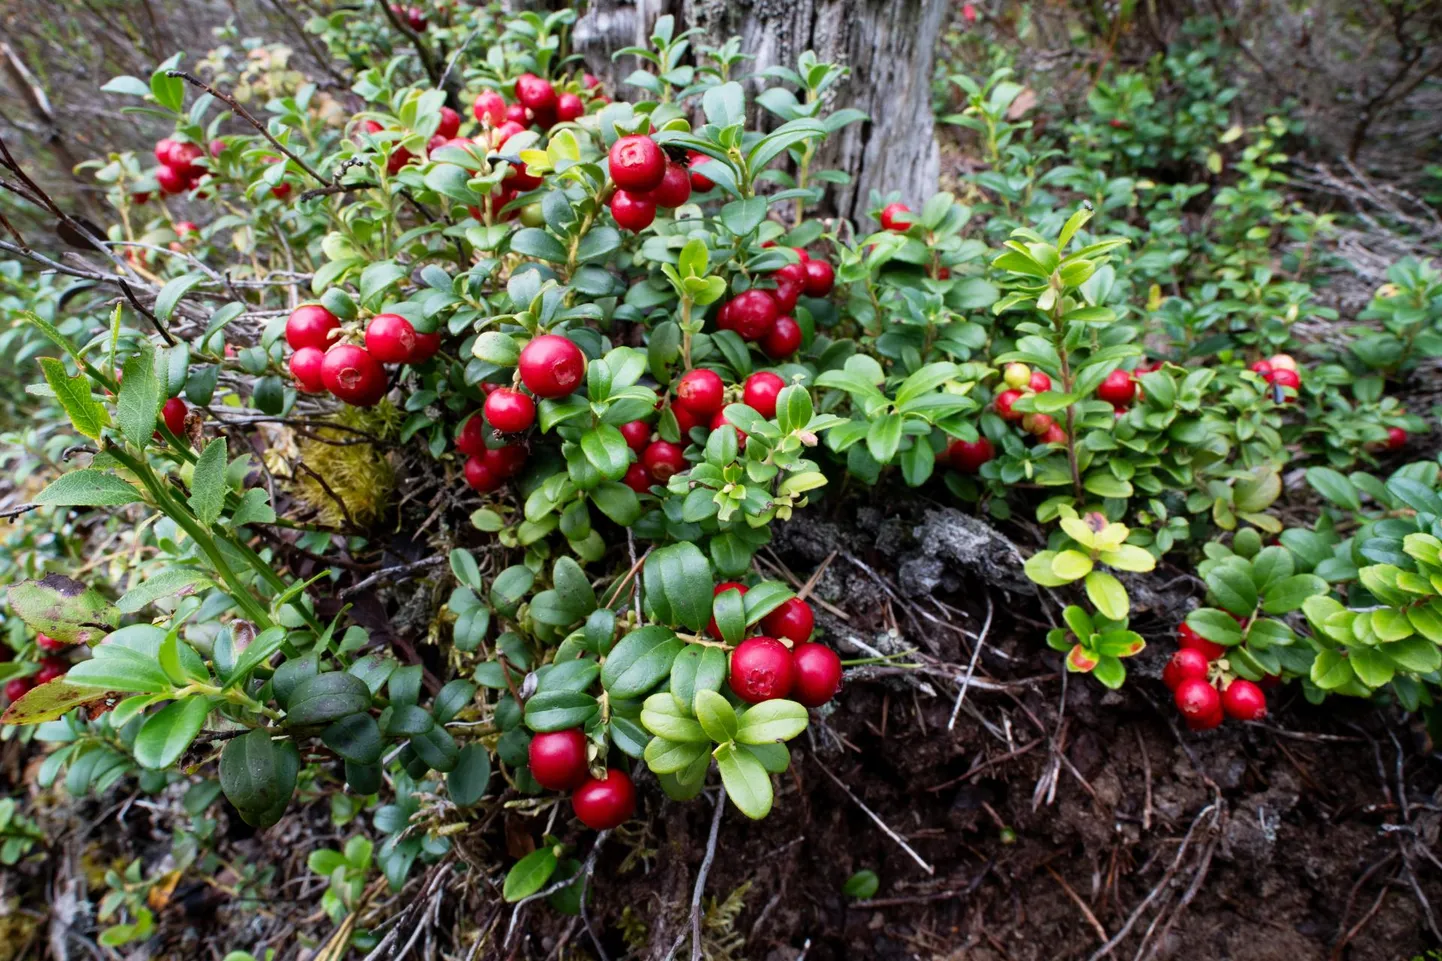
x,y
888,45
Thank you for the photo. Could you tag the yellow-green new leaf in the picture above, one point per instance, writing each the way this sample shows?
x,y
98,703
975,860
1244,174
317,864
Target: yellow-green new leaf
x,y
1108,595
1129,557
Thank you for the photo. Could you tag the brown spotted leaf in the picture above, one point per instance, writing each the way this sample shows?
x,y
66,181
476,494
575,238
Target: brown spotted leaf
x,y
65,609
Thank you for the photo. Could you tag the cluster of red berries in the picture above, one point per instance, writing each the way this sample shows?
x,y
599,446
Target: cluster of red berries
x,y
1280,370
1194,685
700,400
763,316
349,371
764,668
558,763
51,667
645,179
178,170
414,17
550,366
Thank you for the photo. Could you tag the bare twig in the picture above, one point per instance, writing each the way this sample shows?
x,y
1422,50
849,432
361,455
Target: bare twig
x,y
971,668
701,876
1077,900
248,117
879,823
399,572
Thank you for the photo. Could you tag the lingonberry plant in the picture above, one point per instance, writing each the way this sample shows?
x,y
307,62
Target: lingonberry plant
x,y
619,345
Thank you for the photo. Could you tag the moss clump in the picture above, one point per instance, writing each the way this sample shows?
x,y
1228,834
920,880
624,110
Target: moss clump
x,y
361,475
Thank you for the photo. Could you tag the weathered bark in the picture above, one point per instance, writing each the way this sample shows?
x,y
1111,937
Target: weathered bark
x,y
888,45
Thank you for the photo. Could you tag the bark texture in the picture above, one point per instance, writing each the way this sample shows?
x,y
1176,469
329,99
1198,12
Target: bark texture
x,y
887,44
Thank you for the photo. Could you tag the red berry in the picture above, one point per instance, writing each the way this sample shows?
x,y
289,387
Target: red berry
x,y
761,670
1188,662
552,366
1053,435
1188,638
535,93
510,411
171,181
663,460
1244,701
720,589
1396,438
398,159
506,461
685,420
521,180
790,273
490,107
637,164
1003,404
1118,388
637,479
185,227
1037,424
699,182
47,643
558,759
968,456
17,687
1283,377
162,151
896,217
820,278
390,338
605,804
50,669
1263,368
701,391
480,477
784,339
427,346
760,392
793,620
471,438
637,434
183,157
569,107
818,674
968,12
280,191
632,211
590,81
450,124
310,325
353,375
752,314
1040,382
675,188
305,367
1197,699
174,413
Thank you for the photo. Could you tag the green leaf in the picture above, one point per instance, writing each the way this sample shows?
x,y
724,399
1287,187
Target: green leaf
x,y
677,584
257,652
1233,588
663,756
697,668
535,242
88,488
171,581
771,721
765,598
1335,487
1216,626
326,697
1290,593
64,609
258,776
170,295
1416,654
862,885
467,783
356,738
605,448
1372,667
639,661
883,437
663,717
741,217
1071,565
746,781
140,396
378,278
87,415
1108,595
529,875
1330,670
717,717
166,734
207,491
559,710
